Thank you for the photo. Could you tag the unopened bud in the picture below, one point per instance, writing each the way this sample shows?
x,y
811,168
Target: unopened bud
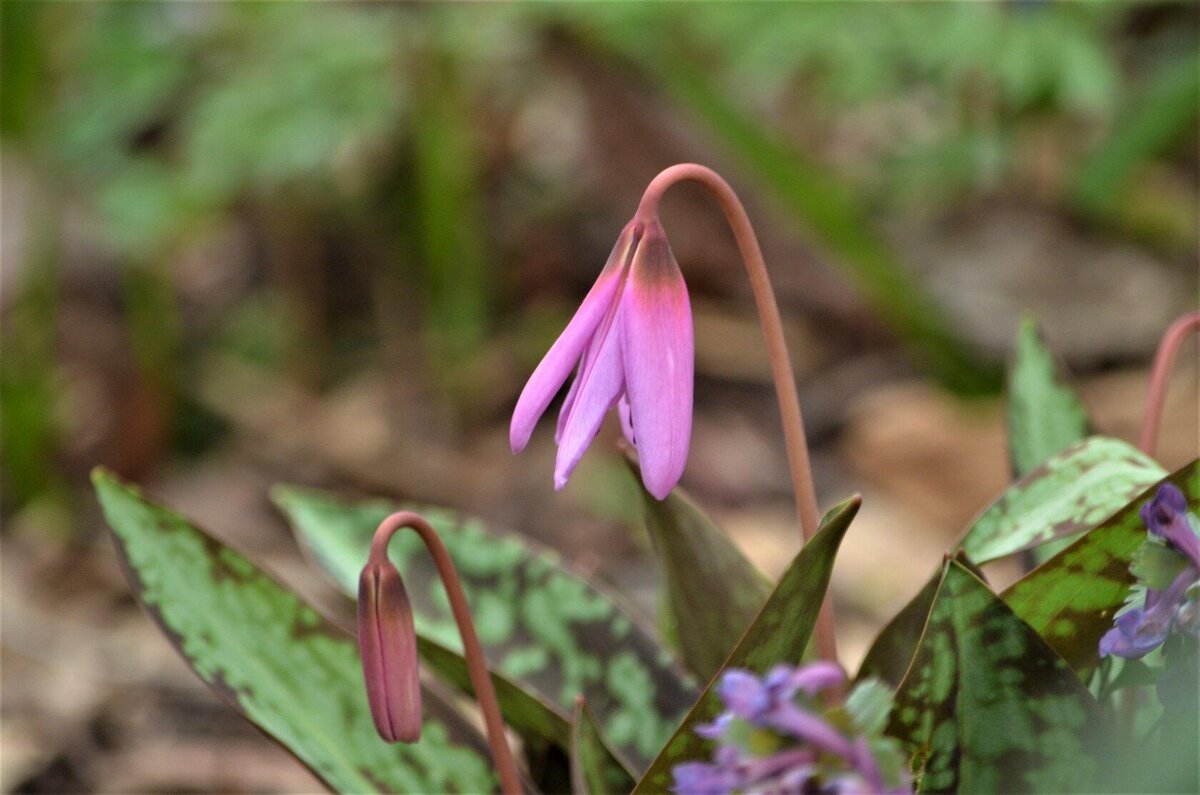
x,y
388,645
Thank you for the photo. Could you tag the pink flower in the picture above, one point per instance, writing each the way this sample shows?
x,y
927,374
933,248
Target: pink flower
x,y
631,345
388,646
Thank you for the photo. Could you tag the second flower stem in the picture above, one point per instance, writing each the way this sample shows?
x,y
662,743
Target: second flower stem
x,y
1156,395
795,440
481,679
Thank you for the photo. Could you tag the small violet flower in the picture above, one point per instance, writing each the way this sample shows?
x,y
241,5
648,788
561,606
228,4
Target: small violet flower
x,y
1168,566
630,344
773,739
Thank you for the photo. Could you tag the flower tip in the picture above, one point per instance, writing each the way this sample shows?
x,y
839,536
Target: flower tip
x,y
659,491
660,480
387,643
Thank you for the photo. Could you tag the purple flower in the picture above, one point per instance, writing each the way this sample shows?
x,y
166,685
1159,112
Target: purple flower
x,y
630,343
1140,630
772,738
1166,516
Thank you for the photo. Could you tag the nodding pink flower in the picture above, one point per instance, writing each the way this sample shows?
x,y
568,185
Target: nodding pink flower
x,y
630,344
388,645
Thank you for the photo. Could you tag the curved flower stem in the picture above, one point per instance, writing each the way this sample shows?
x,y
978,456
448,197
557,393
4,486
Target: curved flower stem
x,y
781,364
1161,372
481,680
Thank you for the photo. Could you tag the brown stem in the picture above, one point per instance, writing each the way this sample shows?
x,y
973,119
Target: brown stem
x,y
1161,372
781,364
481,680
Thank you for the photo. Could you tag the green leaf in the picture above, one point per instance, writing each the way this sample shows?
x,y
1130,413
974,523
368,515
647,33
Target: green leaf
x,y
276,660
701,566
892,650
779,634
987,706
542,626
1156,565
869,704
1071,599
1067,494
1045,416
593,767
523,711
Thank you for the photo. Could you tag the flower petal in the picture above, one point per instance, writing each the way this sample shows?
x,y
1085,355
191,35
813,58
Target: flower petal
x,y
817,676
569,400
658,352
626,418
744,695
566,351
600,382
1166,517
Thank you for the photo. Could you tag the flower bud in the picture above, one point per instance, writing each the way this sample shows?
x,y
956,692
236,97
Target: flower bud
x,y
388,645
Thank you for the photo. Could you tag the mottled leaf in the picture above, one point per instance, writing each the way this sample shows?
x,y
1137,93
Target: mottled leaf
x,y
1156,565
523,711
1065,495
701,566
1071,599
276,660
869,705
542,626
594,770
892,650
779,634
987,706
1045,416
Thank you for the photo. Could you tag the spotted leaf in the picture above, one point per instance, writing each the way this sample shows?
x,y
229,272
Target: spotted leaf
x,y
1071,599
594,770
552,633
1064,496
987,706
277,661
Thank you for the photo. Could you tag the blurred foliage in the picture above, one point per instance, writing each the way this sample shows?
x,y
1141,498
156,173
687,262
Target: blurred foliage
x,y
374,154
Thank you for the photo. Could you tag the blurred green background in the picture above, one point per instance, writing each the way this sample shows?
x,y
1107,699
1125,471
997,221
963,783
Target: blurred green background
x,y
328,242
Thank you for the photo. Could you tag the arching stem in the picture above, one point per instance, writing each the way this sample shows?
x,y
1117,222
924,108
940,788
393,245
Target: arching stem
x,y
1159,375
795,440
481,680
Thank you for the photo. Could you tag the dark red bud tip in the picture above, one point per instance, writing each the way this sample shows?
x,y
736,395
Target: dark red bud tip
x,y
388,645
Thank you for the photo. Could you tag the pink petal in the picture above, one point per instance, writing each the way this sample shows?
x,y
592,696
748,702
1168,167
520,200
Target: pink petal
x,y
601,382
658,349
626,418
569,400
554,368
